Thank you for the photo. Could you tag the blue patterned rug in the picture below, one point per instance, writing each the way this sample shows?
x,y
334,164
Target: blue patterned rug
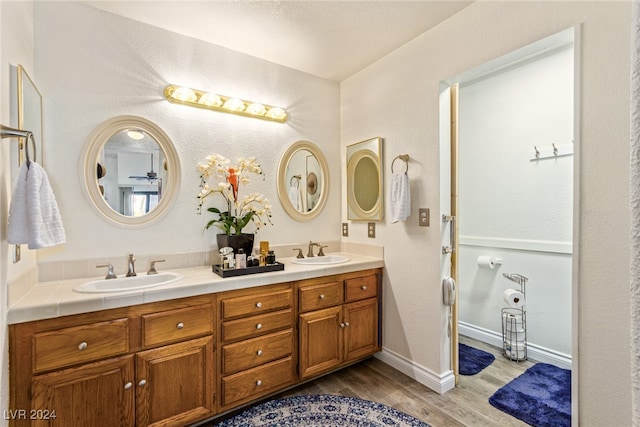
x,y
471,360
321,411
540,397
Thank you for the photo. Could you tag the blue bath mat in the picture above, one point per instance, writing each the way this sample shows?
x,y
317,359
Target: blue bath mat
x,y
540,397
471,360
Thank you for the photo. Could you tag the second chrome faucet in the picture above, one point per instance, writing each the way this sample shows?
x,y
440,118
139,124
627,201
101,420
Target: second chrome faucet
x,y
131,270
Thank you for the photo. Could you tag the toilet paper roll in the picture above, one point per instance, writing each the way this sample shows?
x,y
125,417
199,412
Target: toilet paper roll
x,y
488,261
514,298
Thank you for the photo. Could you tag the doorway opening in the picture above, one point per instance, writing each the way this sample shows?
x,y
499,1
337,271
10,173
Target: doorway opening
x,y
509,139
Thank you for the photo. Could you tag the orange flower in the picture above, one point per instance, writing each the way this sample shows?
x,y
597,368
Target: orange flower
x,y
233,180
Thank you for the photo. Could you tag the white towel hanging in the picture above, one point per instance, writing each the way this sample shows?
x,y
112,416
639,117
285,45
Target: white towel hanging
x,y
400,197
34,218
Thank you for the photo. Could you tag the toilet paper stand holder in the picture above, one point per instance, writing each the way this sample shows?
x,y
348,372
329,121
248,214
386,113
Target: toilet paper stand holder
x,y
514,324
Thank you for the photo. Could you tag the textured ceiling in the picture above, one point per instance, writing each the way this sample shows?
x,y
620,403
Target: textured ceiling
x,y
329,39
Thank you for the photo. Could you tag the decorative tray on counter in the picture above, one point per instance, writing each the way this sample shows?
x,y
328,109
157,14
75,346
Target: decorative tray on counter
x,y
232,272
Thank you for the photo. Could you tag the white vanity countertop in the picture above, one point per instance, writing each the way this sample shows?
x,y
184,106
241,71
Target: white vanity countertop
x,y
57,298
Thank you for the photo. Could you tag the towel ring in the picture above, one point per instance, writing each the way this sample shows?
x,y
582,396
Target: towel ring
x,y
26,148
404,158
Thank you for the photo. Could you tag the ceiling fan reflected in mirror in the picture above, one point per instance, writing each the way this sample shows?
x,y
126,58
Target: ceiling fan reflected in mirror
x,y
151,175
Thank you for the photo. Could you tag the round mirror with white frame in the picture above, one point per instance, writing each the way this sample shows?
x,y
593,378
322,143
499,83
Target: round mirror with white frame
x,y
303,180
131,171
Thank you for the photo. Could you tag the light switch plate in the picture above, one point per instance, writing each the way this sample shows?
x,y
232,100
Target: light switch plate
x,y
16,254
345,229
423,217
371,230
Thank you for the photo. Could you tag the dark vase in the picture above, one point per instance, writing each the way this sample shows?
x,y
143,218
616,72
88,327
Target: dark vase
x,y
236,241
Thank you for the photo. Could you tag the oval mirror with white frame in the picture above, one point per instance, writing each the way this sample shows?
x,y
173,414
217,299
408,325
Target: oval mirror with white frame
x,y
303,180
364,180
131,171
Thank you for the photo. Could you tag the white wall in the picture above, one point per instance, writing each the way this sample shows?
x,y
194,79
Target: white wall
x,y
16,24
397,98
94,65
515,208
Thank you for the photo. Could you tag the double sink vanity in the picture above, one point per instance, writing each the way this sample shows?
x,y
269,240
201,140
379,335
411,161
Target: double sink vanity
x,y
192,348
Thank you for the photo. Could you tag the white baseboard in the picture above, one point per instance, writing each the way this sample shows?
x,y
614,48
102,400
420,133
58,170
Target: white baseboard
x,y
534,352
438,383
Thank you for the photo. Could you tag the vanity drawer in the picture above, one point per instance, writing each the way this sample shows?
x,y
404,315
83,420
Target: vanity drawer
x,y
174,325
318,296
69,346
257,382
257,325
257,351
361,288
253,304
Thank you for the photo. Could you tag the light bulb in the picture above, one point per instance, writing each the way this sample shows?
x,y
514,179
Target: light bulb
x,y
256,108
276,113
234,104
184,94
210,99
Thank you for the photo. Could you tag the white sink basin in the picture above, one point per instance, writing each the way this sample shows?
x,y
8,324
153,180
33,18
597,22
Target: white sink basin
x,y
321,260
128,283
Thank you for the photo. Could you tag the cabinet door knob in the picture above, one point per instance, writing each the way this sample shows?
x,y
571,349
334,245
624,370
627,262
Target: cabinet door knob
x,y
259,304
363,287
321,296
83,345
128,385
180,325
259,383
259,352
346,323
259,326
142,383
342,325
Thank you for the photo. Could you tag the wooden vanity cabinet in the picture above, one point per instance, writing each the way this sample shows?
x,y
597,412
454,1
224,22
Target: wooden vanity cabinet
x,y
338,321
173,363
144,365
256,349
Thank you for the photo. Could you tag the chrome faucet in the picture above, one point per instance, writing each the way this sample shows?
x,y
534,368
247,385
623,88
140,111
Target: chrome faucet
x,y
131,271
110,273
299,256
321,252
310,252
152,267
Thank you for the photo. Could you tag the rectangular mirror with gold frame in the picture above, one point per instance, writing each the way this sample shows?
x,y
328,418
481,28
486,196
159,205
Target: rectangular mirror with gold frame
x,y
365,181
29,115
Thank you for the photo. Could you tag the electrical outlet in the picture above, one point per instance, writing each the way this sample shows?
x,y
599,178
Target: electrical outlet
x,y
423,217
371,230
16,254
345,229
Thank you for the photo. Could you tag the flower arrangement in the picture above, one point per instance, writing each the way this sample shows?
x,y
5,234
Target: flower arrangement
x,y
252,208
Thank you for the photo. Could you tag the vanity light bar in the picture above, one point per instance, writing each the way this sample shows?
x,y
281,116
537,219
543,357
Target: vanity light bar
x,y
211,101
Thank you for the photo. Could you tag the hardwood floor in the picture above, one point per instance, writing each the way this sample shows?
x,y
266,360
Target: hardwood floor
x,y
466,405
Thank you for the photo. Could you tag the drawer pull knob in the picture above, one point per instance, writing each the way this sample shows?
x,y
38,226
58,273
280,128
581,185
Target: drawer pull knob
x,y
128,385
321,296
180,325
83,345
142,383
259,352
259,326
259,304
258,383
342,325
363,287
346,323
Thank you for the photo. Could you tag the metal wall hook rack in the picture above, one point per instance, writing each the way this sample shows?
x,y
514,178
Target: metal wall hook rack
x,y
553,151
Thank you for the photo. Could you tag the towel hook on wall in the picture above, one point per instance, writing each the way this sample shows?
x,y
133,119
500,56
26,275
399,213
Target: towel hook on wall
x,y
404,158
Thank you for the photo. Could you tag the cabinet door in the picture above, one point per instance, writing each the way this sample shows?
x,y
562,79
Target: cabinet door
x,y
174,384
97,394
361,331
321,335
